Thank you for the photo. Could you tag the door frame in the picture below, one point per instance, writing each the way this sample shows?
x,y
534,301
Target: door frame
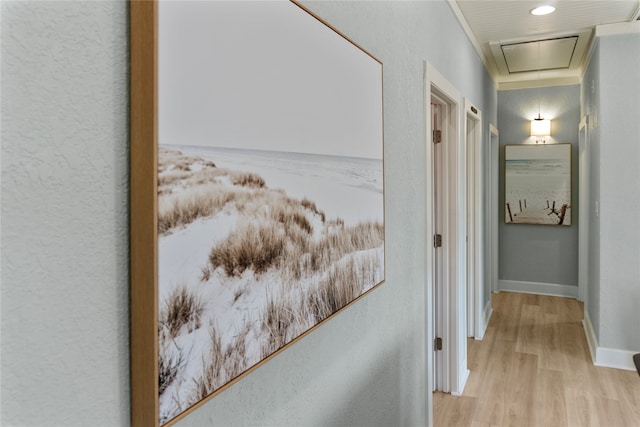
x,y
439,289
493,210
583,210
475,221
453,311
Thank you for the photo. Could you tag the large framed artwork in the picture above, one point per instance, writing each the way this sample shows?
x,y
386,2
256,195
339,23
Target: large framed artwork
x,y
257,191
538,184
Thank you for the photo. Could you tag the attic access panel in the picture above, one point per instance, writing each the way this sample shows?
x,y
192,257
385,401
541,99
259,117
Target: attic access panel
x,y
550,54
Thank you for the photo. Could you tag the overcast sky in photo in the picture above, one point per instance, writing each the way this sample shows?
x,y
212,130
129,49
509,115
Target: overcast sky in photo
x,y
267,76
538,152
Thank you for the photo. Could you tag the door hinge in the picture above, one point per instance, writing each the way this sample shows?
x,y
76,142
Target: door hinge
x,y
437,344
437,136
437,240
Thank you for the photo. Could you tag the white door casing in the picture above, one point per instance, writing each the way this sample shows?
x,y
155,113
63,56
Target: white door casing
x,y
439,114
583,211
452,312
493,211
475,221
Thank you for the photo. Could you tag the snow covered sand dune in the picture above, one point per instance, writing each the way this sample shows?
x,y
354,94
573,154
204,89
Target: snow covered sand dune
x,y
346,187
244,268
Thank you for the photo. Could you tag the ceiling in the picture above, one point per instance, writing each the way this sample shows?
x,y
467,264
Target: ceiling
x,y
523,50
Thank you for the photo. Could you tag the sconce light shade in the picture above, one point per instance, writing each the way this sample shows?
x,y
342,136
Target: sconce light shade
x,y
540,127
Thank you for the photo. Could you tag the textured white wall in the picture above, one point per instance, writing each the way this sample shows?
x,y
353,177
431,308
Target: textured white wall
x,y
65,229
64,214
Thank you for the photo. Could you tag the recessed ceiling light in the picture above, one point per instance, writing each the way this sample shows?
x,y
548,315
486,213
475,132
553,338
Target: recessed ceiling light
x,y
543,10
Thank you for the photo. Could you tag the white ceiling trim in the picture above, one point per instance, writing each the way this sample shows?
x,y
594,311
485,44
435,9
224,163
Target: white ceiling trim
x,y
608,29
620,28
530,84
474,41
636,14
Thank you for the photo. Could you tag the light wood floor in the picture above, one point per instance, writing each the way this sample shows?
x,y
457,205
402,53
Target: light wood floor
x,y
533,368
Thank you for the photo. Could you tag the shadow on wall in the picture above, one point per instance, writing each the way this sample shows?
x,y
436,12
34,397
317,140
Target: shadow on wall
x,y
361,406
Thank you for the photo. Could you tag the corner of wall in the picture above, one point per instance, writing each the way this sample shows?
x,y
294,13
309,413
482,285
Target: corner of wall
x,y
592,339
603,356
617,28
486,316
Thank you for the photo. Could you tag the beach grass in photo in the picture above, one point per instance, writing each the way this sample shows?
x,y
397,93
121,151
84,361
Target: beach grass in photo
x,y
280,264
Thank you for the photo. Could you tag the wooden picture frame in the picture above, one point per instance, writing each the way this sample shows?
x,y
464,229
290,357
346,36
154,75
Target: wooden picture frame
x,y
538,184
314,163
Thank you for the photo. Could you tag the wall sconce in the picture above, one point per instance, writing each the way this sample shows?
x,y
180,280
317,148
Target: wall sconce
x,y
540,128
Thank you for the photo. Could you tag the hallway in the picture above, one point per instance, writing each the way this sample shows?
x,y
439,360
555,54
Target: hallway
x,y
533,368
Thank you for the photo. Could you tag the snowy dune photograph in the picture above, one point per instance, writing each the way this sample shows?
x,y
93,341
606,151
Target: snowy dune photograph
x,y
270,203
538,184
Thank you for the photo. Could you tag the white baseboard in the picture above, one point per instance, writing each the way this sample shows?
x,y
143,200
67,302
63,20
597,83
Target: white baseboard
x,y
486,316
567,291
614,358
606,357
462,380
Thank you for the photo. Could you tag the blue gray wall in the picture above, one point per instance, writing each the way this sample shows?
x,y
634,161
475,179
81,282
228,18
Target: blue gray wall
x,y
611,98
64,190
590,106
64,295
537,254
620,191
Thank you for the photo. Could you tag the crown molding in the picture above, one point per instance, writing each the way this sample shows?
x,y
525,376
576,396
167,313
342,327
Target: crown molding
x,y
529,84
474,41
618,28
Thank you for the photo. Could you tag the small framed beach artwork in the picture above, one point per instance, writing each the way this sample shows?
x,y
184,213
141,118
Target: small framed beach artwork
x,y
538,184
257,191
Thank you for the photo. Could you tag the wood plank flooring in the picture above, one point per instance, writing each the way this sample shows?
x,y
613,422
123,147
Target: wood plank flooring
x,y
533,368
